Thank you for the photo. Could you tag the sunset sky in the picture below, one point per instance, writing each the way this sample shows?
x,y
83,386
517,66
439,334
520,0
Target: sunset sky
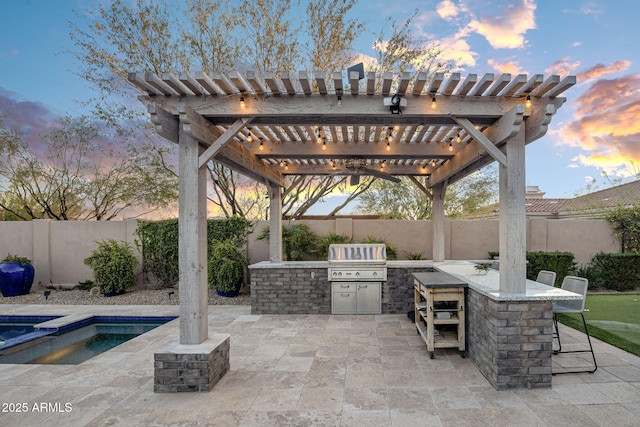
x,y
596,130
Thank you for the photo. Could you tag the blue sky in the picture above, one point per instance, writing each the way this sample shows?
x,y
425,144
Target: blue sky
x,y
597,129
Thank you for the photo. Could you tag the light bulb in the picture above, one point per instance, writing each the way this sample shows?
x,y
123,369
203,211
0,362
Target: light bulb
x,y
527,102
333,164
382,165
286,166
242,104
261,146
324,145
388,146
249,138
433,103
458,139
433,163
450,147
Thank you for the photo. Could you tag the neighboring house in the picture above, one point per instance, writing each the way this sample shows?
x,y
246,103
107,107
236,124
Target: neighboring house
x,y
592,205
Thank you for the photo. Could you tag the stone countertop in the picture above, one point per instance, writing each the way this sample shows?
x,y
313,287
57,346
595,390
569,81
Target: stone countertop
x,y
325,264
489,284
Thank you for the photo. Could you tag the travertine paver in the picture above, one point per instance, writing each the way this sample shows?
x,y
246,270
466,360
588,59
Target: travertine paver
x,y
305,370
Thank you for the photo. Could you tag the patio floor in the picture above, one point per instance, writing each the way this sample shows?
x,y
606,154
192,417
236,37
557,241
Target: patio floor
x,y
305,370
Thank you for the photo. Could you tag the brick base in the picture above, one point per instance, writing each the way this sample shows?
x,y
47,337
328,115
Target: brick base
x,y
179,367
510,341
307,290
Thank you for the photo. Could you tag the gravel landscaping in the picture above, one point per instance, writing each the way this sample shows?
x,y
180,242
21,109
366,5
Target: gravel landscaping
x,y
133,297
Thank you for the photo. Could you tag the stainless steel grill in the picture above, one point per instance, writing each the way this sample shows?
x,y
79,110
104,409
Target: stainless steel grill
x,y
358,262
356,272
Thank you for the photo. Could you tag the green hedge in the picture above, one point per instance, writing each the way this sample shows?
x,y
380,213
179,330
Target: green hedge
x,y
618,272
563,263
158,241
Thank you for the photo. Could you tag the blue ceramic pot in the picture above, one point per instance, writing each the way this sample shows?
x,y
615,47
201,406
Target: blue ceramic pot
x,y
16,279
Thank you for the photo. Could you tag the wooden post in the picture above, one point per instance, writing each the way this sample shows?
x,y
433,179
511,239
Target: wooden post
x,y
275,223
437,218
192,240
513,233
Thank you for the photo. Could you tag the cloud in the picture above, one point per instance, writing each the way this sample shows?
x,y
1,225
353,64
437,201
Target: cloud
x,y
576,44
607,125
600,70
563,67
511,67
447,10
506,31
457,49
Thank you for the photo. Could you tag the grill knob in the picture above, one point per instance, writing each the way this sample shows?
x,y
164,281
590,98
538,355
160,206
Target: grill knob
x,y
375,273
357,274
340,274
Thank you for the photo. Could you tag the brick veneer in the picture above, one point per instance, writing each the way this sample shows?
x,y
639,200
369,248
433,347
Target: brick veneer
x,y
179,368
510,342
294,291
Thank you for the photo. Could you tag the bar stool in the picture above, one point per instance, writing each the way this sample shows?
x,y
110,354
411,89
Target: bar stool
x,y
577,285
546,277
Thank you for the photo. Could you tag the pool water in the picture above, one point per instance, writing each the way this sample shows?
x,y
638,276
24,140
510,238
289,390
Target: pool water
x,y
19,326
79,342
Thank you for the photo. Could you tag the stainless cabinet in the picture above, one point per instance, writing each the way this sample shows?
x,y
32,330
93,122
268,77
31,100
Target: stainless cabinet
x,y
356,297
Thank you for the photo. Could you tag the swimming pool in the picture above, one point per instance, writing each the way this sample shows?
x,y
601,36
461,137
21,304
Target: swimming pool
x,y
74,342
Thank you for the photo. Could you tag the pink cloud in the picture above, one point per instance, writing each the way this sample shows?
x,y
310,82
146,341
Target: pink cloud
x,y
511,67
607,124
447,10
506,31
563,67
600,70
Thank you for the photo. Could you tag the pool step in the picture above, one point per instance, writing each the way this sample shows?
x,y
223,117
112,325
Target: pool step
x,y
63,321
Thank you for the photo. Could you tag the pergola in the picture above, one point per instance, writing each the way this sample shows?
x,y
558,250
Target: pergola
x,y
433,129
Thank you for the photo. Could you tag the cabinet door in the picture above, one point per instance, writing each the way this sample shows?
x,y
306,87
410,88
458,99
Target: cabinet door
x,y
369,298
343,302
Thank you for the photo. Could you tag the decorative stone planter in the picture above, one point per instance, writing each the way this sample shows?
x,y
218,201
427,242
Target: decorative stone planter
x,y
16,279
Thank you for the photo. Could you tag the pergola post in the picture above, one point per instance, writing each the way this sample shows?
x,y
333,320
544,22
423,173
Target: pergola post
x,y
513,233
192,241
437,218
275,223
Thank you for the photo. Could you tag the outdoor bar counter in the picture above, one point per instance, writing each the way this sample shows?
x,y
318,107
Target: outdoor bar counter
x,y
508,335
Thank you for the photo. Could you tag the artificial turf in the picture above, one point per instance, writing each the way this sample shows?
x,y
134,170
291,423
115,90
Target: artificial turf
x,y
613,318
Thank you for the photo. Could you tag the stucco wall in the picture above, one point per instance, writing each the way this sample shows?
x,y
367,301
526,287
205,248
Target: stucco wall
x,y
58,248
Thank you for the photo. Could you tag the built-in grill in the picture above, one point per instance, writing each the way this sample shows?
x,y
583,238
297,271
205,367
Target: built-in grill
x,y
356,272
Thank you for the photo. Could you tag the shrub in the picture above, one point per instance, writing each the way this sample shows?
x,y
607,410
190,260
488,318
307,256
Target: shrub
x,y
414,255
619,272
226,266
113,264
16,258
158,242
563,263
298,241
323,243
391,251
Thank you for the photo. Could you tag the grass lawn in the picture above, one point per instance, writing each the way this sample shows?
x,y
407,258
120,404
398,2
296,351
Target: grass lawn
x,y
613,318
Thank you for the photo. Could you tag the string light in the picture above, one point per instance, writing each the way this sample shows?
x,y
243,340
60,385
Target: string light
x,y
333,165
261,147
458,139
424,168
242,104
433,103
249,137
388,146
281,163
433,163
450,146
286,166
318,137
324,145
527,102
382,165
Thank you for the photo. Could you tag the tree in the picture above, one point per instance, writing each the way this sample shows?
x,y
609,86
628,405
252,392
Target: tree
x,y
79,177
262,35
406,201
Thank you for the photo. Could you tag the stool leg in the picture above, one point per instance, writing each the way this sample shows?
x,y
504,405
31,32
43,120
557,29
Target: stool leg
x,y
557,335
586,331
